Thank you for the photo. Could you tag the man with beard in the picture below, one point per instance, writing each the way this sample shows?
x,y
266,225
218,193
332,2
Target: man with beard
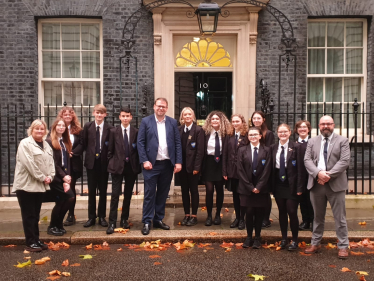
x,y
326,160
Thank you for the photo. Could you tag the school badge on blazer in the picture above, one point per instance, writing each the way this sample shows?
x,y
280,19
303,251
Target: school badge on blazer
x,y
263,162
193,144
294,162
134,145
106,143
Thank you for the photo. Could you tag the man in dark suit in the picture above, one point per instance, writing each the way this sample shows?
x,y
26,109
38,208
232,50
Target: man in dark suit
x,y
95,139
160,153
123,163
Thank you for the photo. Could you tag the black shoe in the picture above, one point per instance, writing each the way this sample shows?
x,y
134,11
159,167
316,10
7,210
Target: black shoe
x,y
192,221
241,225
63,230
146,229
33,248
161,224
208,221
283,244
124,224
266,224
257,243
42,245
89,223
234,224
103,222
70,220
111,228
248,242
54,231
304,226
293,246
185,220
217,219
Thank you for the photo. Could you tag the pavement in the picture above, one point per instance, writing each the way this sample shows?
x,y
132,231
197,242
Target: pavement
x,y
11,230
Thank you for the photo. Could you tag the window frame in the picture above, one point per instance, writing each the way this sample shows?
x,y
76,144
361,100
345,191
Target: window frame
x,y
363,76
42,80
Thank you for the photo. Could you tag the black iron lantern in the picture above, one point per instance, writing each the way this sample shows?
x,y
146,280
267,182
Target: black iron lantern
x,y
207,16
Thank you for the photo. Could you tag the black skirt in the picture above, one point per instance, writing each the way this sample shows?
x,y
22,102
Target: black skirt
x,y
282,189
212,169
259,200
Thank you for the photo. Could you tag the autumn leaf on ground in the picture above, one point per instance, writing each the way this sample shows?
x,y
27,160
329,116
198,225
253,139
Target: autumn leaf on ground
x,y
257,277
239,245
105,244
226,245
353,245
188,244
121,230
44,219
26,252
157,263
27,258
21,265
155,256
330,246
370,252
179,223
89,247
227,250
357,253
75,264
53,277
40,262
65,263
10,246
132,246
332,265
345,269
64,245
85,257
362,278
226,209
212,233
271,220
303,254
66,274
119,250
54,272
203,208
362,273
280,248
221,215
266,246
202,245
46,259
302,244
98,247
365,242
362,223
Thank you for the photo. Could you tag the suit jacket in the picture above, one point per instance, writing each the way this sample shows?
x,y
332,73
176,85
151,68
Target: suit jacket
x,y
77,159
245,174
230,154
294,165
57,157
338,156
148,140
303,172
223,139
116,151
269,138
89,140
194,149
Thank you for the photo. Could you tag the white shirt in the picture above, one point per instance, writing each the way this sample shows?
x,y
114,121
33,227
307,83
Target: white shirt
x,y
71,136
277,157
321,162
237,136
253,150
101,128
212,143
187,128
127,131
162,152
300,139
62,151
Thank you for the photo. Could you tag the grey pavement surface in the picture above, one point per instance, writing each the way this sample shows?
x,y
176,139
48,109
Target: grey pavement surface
x,y
211,263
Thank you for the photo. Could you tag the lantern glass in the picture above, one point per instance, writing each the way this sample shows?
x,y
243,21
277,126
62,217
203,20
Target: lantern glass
x,y
207,16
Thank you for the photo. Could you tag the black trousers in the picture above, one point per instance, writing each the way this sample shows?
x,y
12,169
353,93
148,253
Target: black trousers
x,y
30,204
72,188
189,184
255,216
130,178
306,207
97,179
63,204
239,211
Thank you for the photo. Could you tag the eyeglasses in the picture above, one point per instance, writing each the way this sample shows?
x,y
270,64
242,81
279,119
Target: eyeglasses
x,y
326,124
283,132
253,135
161,106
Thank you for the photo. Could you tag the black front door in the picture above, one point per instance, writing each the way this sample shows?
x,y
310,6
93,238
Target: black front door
x,y
203,92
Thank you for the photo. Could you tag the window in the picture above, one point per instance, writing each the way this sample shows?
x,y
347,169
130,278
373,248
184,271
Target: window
x,y
70,63
337,52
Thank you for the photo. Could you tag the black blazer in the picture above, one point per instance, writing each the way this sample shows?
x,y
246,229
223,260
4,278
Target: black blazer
x,y
194,149
223,139
294,165
303,172
89,140
116,151
230,154
77,159
57,157
269,138
263,170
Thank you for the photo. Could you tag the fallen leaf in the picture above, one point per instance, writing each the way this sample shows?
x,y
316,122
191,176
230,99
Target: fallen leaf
x,y
370,252
302,244
120,209
157,263
266,246
66,274
26,252
85,257
221,215
226,209
40,262
228,250
365,242
226,245
27,258
46,259
44,219
10,246
256,277
54,272
332,265
345,269
202,245
362,273
271,220
362,278
188,244
203,208
212,233
279,248
330,246
98,247
303,254
362,223
89,247
21,265
53,277
357,253
119,250
155,256
75,264
179,223
105,244
65,263
353,245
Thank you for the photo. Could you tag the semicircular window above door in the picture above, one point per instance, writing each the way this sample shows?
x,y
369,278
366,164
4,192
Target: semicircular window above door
x,y
203,52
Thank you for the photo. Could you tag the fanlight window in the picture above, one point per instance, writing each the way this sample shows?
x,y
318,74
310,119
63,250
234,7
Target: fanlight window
x,y
203,53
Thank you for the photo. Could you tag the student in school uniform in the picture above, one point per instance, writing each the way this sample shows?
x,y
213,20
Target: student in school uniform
x,y
303,128
123,164
192,138
258,120
238,139
216,129
254,167
287,184
96,140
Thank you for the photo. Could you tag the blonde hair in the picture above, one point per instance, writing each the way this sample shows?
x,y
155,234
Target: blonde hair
x,y
181,121
244,128
75,125
225,126
100,108
37,123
